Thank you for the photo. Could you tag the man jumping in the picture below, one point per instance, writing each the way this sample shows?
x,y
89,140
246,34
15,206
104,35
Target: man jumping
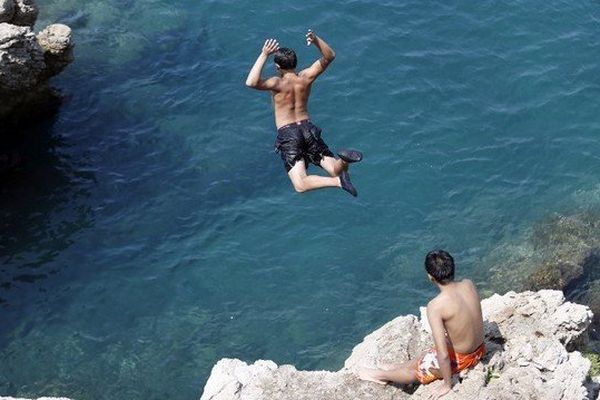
x,y
299,141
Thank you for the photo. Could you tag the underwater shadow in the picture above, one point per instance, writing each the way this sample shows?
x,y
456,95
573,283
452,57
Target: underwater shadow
x,y
43,197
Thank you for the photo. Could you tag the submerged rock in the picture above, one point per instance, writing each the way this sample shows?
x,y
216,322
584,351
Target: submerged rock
x,y
27,61
561,252
530,339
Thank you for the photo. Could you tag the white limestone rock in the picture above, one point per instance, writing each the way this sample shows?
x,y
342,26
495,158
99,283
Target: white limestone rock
x,y
526,335
396,341
57,43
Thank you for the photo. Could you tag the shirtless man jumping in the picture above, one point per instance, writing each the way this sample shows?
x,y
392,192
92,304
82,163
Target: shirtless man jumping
x,y
299,141
456,326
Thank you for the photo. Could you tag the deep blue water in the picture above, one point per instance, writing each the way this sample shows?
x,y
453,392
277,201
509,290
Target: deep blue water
x,y
150,230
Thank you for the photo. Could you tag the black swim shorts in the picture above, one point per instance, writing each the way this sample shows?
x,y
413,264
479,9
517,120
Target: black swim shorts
x,y
301,141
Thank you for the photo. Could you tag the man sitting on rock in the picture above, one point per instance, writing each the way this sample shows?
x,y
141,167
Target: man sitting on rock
x,y
456,326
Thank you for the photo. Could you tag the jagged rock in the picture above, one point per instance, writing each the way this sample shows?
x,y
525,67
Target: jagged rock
x,y
27,61
56,41
26,13
528,336
21,58
7,10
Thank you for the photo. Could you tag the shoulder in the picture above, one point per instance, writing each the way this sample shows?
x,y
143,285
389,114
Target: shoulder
x,y
273,83
435,304
274,79
469,284
305,75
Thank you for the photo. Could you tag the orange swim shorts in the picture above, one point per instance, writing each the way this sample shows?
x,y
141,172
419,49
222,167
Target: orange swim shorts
x,y
458,362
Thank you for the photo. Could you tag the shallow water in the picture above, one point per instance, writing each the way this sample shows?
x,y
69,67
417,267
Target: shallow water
x,y
150,230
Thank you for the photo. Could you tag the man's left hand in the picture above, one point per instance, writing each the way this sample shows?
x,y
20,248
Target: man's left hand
x,y
310,37
441,391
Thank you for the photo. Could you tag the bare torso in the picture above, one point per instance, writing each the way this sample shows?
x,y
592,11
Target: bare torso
x,y
290,101
461,312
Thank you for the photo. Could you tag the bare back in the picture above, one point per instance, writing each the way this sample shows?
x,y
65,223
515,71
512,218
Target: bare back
x,y
290,99
460,309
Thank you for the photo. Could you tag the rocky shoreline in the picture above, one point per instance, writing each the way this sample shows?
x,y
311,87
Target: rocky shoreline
x,y
533,339
27,60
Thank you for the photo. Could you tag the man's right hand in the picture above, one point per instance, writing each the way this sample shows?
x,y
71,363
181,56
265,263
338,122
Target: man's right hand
x,y
270,47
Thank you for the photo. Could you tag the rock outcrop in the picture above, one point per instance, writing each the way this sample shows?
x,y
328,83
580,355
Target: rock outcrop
x,y
27,61
531,339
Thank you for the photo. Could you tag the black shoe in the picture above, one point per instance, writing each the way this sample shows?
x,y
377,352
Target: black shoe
x,y
350,156
346,184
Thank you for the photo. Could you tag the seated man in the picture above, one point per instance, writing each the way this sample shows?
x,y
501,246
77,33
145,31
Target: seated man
x,y
456,326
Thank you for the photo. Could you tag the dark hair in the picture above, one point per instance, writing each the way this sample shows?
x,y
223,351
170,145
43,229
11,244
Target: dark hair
x,y
440,265
286,58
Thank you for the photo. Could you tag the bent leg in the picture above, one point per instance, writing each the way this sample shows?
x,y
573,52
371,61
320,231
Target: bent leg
x,y
402,373
303,182
333,166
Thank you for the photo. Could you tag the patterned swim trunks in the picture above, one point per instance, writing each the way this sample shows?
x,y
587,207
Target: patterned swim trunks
x,y
458,362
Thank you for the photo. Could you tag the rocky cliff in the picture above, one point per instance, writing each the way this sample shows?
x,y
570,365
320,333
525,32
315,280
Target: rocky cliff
x,y
532,340
28,60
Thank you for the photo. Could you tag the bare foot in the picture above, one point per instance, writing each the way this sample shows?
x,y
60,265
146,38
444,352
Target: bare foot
x,y
368,374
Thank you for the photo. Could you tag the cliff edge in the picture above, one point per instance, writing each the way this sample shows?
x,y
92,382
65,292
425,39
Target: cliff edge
x,y
532,340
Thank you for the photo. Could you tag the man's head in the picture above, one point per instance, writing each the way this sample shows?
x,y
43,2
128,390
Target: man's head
x,y
439,264
285,58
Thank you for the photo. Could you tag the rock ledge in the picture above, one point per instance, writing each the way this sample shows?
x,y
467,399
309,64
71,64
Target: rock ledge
x,y
27,61
531,338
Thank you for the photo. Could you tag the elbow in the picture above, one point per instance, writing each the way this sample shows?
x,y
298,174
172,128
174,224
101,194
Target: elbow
x,y
250,84
331,56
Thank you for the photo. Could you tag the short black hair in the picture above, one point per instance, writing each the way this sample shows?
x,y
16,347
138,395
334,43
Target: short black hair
x,y
286,58
440,265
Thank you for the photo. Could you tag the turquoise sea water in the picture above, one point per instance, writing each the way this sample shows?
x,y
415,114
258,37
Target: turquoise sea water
x,y
150,230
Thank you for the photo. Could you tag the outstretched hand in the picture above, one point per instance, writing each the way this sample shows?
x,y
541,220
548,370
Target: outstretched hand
x,y
311,37
270,47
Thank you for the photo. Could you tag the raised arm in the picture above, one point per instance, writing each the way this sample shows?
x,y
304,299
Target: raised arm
x,y
254,80
327,56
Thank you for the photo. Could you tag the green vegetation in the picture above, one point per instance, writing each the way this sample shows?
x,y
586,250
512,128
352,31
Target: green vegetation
x,y
491,374
595,359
